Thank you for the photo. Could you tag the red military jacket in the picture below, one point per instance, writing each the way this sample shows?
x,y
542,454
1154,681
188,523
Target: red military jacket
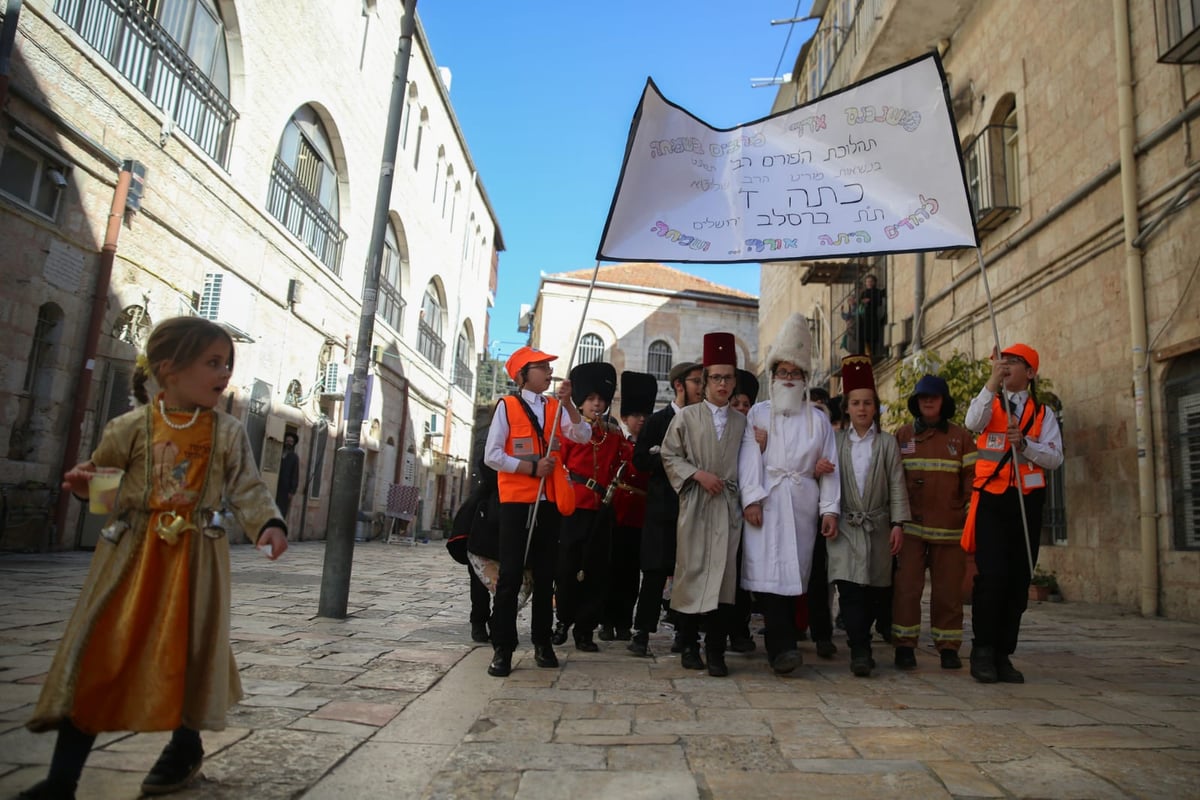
x,y
591,466
629,497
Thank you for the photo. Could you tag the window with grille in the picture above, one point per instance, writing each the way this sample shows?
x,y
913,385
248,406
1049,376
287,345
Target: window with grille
x,y
1183,428
591,348
658,359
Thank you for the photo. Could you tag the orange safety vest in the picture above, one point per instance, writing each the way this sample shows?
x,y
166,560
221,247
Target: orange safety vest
x,y
524,443
993,464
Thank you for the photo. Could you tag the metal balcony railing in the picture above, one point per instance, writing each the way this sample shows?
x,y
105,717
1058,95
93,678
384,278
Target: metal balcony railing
x,y
126,34
429,344
391,306
463,377
303,215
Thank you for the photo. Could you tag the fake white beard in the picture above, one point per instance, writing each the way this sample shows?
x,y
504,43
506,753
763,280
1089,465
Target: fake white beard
x,y
788,400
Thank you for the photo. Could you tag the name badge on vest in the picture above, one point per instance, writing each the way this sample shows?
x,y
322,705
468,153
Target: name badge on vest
x,y
522,446
1034,480
996,441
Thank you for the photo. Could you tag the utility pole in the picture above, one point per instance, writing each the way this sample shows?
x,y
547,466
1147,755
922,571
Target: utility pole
x,y
349,459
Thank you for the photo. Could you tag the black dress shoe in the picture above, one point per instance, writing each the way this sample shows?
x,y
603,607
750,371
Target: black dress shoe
x,y
950,659
639,644
1006,672
742,644
691,659
861,662
983,664
48,790
501,664
479,632
623,635
826,649
906,658
606,633
786,662
585,643
677,645
177,765
543,655
560,633
716,665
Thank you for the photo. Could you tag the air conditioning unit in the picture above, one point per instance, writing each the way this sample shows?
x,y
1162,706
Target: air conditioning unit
x,y
333,381
228,302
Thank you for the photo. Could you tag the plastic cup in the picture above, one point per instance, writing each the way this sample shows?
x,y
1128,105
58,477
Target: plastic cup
x,y
102,489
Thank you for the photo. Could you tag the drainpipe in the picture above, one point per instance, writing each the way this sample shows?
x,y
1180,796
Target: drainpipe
x,y
83,386
8,39
1134,280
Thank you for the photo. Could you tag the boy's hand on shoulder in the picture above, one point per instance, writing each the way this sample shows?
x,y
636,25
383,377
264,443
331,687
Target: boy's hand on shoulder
x,y
273,542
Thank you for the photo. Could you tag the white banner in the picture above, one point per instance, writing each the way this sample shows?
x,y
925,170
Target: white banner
x,y
874,168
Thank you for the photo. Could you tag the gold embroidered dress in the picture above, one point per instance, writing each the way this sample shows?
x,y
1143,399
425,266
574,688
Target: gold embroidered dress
x,y
147,647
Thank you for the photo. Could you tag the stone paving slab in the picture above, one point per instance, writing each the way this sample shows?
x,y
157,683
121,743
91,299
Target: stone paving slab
x,y
394,702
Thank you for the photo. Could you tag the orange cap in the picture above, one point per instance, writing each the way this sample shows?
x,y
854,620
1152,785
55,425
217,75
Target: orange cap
x,y
1023,352
523,356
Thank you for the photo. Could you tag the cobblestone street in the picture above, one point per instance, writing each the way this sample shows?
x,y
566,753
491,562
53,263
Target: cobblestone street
x,y
394,702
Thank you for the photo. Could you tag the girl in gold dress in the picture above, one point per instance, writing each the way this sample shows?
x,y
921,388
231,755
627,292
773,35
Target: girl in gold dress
x,y
147,647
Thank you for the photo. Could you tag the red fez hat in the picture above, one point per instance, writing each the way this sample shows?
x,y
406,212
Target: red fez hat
x,y
523,356
1023,352
719,349
857,374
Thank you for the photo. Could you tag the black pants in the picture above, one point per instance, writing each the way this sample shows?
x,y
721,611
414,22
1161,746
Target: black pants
x,y
743,602
861,607
623,577
716,624
649,601
542,552
1001,592
820,616
481,599
583,544
779,613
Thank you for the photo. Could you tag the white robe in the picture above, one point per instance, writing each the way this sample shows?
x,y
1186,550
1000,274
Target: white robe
x,y
777,557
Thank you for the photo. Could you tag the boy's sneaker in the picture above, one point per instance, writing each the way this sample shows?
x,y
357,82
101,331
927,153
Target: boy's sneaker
x,y
177,765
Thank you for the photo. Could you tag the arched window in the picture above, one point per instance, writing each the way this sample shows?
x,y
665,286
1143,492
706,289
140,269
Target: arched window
x,y
464,378
196,26
420,135
304,187
392,269
409,107
449,179
658,359
438,170
429,329
454,202
1182,392
591,348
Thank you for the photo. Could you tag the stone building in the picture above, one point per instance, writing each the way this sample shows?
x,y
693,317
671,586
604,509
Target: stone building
x,y
256,133
1076,121
642,317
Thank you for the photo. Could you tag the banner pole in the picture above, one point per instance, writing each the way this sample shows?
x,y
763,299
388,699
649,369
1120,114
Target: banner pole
x,y
987,292
554,427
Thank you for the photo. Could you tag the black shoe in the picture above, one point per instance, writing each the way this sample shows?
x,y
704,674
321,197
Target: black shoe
x,y
716,665
861,662
623,635
48,790
1006,672
177,765
677,645
560,633
479,632
906,658
584,642
742,644
950,659
983,664
501,664
606,633
543,655
691,659
786,662
826,649
639,644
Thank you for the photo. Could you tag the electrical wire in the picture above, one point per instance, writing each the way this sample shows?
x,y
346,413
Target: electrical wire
x,y
787,41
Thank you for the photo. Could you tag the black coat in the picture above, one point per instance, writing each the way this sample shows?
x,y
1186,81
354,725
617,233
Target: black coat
x,y
662,503
483,525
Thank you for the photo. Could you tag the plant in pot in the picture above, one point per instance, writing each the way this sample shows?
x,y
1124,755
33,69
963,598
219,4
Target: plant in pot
x,y
1042,585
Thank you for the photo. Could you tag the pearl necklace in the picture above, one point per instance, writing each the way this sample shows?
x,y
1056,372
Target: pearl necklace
x,y
162,409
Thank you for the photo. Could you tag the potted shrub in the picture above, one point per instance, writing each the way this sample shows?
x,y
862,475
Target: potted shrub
x,y
1042,585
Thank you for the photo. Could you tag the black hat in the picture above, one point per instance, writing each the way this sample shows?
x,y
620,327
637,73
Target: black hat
x,y
680,371
933,386
638,393
595,377
746,384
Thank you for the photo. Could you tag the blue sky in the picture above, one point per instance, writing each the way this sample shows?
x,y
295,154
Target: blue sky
x,y
545,91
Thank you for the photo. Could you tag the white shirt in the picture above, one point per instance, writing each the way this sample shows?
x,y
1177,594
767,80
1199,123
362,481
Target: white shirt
x,y
494,454
860,454
1046,450
720,416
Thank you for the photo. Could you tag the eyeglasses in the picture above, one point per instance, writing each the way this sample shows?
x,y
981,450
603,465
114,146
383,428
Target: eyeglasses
x,y
546,367
722,378
789,375
696,381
